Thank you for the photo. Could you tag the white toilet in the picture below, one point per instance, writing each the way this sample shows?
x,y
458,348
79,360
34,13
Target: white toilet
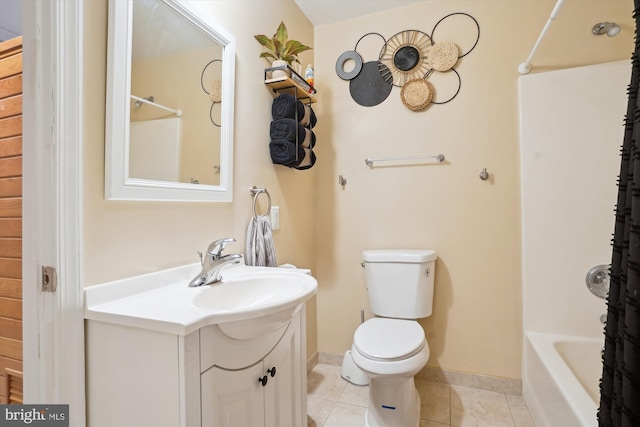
x,y
391,348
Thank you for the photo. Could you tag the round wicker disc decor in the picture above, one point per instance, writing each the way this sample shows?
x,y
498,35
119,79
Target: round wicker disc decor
x,y
442,56
216,90
404,54
416,94
214,83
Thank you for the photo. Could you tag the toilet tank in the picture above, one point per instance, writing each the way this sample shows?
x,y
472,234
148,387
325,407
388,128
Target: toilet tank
x,y
400,282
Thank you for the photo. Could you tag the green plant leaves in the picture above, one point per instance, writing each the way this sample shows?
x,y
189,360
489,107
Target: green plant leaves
x,y
280,47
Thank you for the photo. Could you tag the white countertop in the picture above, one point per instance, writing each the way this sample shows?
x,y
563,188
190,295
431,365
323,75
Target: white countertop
x,y
161,301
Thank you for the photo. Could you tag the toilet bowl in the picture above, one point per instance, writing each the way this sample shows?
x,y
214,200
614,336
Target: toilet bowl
x,y
391,348
391,352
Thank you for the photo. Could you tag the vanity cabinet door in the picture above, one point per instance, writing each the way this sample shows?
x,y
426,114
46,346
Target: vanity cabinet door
x,y
283,393
269,393
233,398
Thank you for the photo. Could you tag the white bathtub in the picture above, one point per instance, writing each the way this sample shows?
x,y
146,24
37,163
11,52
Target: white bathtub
x,y
561,379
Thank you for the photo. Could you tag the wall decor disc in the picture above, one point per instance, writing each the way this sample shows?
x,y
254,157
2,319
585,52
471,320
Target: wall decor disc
x,y
370,34
372,85
462,14
406,58
416,94
442,56
446,76
215,73
404,54
350,55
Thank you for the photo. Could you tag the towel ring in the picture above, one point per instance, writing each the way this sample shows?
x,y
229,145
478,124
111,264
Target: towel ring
x,y
255,192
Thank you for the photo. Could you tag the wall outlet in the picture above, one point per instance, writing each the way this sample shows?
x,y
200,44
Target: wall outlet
x,y
275,217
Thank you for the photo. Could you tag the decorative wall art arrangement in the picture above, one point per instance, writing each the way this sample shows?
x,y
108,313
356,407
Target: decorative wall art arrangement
x,y
215,86
407,60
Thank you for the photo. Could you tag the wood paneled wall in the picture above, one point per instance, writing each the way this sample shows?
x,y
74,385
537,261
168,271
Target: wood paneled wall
x,y
11,221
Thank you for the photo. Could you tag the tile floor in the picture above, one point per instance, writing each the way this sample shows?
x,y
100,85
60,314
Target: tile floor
x,y
334,402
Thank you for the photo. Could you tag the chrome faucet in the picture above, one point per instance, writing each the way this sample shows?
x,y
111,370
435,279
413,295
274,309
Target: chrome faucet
x,y
213,263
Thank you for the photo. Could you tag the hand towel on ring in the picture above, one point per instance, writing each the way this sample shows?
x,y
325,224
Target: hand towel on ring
x,y
259,247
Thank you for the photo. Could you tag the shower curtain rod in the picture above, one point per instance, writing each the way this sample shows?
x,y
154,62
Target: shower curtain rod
x,y
177,112
525,67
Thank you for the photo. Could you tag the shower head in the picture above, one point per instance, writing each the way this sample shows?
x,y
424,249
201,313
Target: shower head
x,y
609,28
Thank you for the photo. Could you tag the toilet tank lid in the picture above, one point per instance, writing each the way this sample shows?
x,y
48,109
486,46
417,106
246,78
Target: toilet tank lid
x,y
399,255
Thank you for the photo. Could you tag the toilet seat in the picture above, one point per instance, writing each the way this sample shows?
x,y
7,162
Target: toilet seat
x,y
385,339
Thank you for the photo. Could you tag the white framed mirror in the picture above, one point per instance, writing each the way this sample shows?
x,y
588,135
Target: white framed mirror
x,y
169,116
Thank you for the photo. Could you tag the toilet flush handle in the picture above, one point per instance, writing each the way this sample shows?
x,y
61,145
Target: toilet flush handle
x,y
427,272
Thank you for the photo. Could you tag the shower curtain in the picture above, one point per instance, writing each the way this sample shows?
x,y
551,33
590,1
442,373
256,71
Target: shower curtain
x,y
620,384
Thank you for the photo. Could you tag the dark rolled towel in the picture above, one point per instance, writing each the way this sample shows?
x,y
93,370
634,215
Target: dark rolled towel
x,y
283,152
308,161
309,120
284,107
286,129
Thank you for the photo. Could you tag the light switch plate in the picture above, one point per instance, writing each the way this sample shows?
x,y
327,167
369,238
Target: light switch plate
x,y
275,217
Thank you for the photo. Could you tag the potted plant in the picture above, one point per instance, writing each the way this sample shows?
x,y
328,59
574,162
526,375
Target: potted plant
x,y
280,50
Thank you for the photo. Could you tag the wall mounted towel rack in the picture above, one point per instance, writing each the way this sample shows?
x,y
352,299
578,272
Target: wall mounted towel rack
x,y
255,192
177,112
438,157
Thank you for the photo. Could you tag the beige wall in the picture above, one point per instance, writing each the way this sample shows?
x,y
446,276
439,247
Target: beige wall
x,y
127,238
474,225
200,142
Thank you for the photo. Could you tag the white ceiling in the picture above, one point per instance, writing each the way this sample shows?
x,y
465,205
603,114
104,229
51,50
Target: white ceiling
x,y
321,12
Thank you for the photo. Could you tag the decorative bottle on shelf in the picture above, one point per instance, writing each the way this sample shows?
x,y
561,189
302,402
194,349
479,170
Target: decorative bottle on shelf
x,y
308,75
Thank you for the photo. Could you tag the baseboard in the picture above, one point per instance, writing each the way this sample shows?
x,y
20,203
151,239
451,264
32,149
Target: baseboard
x,y
330,359
439,375
312,362
480,381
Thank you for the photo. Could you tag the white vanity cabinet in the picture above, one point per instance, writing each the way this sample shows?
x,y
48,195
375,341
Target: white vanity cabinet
x,y
140,377
162,354
267,393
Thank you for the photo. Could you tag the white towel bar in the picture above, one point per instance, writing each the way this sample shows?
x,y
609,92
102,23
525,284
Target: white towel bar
x,y
439,158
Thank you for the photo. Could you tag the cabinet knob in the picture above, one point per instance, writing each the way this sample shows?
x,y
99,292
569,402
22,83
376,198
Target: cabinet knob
x,y
272,371
263,380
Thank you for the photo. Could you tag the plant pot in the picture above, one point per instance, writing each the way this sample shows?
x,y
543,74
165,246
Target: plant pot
x,y
279,73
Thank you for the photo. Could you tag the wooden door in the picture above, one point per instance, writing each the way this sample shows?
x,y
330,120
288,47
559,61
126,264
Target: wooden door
x,y
11,390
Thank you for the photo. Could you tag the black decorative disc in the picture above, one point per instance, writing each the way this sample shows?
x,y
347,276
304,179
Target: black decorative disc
x,y
372,85
406,58
343,59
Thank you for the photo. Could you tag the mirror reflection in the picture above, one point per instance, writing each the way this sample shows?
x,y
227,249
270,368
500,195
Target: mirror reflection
x,y
175,105
169,115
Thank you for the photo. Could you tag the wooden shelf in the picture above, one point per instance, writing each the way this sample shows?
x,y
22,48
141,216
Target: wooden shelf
x,y
293,83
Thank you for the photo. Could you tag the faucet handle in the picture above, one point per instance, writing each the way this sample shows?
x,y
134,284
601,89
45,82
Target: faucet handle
x,y
215,248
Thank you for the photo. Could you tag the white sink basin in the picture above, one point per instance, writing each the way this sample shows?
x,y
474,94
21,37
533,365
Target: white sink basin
x,y
250,305
249,302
